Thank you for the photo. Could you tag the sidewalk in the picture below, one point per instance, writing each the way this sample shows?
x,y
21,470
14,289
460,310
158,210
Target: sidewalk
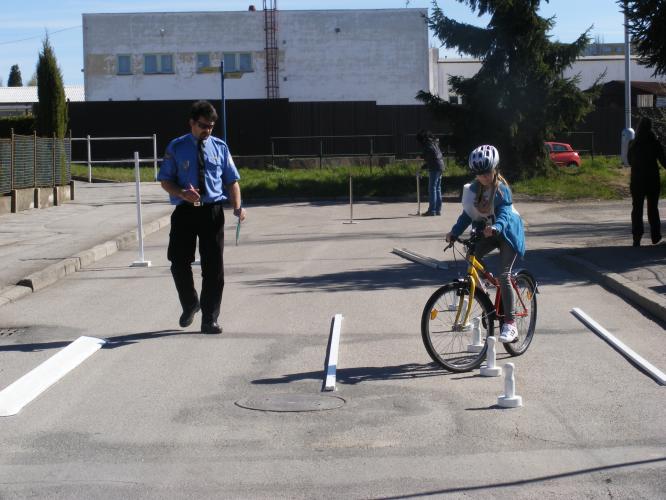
x,y
38,247
636,274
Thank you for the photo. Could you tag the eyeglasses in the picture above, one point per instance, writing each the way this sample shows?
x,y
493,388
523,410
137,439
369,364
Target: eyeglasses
x,y
205,126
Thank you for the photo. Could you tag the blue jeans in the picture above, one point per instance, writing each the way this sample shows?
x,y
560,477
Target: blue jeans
x,y
435,191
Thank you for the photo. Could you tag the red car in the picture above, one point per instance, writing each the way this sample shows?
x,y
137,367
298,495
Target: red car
x,y
563,154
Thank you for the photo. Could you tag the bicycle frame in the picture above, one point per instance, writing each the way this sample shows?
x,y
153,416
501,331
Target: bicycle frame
x,y
476,270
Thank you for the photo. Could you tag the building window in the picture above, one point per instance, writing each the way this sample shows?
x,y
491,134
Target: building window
x,y
203,61
124,65
157,63
238,62
454,99
645,100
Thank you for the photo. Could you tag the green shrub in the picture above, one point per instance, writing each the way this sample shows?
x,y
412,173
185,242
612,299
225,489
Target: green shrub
x,y
22,125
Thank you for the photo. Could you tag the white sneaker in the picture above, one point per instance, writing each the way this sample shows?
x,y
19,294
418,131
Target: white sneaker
x,y
508,334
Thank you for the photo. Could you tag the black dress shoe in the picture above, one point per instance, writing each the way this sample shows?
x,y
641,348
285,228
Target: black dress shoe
x,y
188,316
211,328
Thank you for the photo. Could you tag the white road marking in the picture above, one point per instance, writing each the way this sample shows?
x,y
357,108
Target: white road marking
x,y
14,397
332,354
619,346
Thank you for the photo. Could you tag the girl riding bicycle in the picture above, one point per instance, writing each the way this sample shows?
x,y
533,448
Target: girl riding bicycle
x,y
488,206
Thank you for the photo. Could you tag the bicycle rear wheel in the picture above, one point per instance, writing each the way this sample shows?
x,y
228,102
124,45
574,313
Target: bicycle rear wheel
x,y
452,344
525,318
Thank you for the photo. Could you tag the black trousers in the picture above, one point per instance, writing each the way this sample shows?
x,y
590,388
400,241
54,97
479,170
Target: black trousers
x,y
187,224
637,198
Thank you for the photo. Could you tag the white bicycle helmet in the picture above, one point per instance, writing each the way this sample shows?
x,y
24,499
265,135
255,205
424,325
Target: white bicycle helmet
x,y
483,159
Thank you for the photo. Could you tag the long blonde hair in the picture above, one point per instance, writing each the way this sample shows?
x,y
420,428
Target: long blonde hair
x,y
497,179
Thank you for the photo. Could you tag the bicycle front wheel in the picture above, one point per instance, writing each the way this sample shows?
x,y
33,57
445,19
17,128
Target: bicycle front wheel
x,y
454,342
525,315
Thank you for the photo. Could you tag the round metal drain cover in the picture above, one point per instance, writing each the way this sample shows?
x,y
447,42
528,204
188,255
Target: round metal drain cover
x,y
292,402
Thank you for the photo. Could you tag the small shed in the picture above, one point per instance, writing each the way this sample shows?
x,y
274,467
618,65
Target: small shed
x,y
19,100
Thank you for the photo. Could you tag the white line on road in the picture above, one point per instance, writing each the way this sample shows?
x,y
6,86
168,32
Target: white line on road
x,y
332,354
419,259
619,346
14,397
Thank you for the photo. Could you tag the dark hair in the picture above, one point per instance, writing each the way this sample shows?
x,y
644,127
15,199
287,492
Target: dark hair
x,y
423,136
644,126
203,109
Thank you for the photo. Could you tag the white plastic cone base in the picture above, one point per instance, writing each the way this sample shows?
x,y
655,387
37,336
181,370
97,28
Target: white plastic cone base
x,y
506,402
141,263
490,368
495,371
474,347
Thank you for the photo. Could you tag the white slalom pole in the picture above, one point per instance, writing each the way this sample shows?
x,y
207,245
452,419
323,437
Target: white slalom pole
x,y
139,230
351,203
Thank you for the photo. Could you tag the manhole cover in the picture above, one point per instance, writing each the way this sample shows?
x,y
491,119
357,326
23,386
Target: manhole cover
x,y
8,332
292,402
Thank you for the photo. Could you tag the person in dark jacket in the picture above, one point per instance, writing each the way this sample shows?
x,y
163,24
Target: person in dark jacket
x,y
644,152
434,163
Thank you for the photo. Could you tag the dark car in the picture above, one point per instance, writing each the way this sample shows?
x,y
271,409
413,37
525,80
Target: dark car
x,y
563,154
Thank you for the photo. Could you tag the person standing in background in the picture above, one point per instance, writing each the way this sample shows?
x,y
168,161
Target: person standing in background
x,y
434,163
644,152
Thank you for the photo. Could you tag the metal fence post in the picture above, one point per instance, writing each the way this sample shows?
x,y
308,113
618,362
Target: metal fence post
x,y
69,160
371,152
12,151
89,159
272,152
54,160
34,159
155,155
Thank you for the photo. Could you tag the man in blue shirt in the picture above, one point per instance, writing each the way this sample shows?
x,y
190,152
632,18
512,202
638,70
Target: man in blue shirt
x,y
199,175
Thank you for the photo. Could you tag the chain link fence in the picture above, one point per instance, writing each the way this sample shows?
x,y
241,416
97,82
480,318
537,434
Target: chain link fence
x,y
28,161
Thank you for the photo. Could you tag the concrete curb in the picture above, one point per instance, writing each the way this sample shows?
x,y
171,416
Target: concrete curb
x,y
54,272
645,298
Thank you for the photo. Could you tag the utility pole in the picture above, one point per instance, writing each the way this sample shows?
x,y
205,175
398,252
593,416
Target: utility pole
x,y
628,133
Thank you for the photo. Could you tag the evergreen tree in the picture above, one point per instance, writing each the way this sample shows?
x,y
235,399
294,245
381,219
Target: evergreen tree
x,y
51,111
14,79
646,20
518,99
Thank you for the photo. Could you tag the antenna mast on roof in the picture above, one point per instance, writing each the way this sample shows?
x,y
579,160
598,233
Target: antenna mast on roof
x,y
270,29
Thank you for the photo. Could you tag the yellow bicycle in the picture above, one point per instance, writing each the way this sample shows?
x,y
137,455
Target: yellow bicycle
x,y
459,316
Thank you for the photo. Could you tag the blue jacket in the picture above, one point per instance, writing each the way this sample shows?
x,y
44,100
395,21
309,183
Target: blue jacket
x,y
180,165
507,220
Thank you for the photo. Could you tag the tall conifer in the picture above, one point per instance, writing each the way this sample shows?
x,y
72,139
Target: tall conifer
x,y
519,98
51,111
14,79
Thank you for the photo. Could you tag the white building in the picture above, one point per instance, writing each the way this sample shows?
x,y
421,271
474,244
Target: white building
x,y
589,68
322,55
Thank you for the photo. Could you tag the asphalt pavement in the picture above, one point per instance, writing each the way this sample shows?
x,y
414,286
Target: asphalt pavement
x,y
166,412
40,246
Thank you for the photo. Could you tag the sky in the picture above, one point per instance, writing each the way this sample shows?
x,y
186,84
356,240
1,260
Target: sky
x,y
24,23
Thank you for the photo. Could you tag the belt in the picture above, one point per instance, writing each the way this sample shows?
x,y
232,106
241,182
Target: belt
x,y
201,204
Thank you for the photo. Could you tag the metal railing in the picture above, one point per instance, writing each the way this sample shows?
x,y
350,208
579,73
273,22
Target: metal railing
x,y
332,146
29,161
90,162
